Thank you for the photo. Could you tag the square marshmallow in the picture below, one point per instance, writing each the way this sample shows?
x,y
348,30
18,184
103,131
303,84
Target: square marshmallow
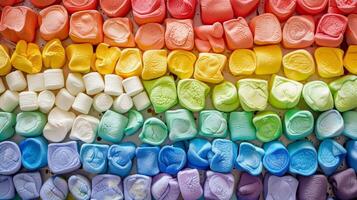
x,y
46,100
74,83
28,101
35,82
16,81
113,85
93,83
82,103
9,101
53,79
132,86
64,100
141,101
102,102
123,103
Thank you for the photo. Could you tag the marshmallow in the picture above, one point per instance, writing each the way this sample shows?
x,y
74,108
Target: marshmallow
x,y
93,83
59,124
84,128
16,81
53,79
82,103
64,99
123,103
35,82
113,85
46,100
102,102
133,86
28,101
74,83
141,101
9,101
2,86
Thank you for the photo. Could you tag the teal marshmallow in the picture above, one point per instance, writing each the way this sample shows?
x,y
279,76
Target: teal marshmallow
x,y
154,131
303,158
350,123
213,124
330,156
318,96
7,123
344,91
30,124
241,126
136,121
284,93
329,124
181,125
298,124
111,126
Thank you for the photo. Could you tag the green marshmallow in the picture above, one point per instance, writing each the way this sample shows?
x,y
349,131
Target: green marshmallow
x,y
268,126
136,121
241,126
181,125
284,93
317,96
298,124
225,97
111,127
30,124
162,93
253,94
192,94
344,91
154,131
7,123
213,124
350,125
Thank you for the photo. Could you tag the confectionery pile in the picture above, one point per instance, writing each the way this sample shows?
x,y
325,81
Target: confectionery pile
x,y
178,99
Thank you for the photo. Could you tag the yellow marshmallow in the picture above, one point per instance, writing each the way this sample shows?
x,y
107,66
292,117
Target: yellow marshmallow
x,y
242,62
80,57
268,59
181,63
106,58
130,63
209,66
155,64
298,65
27,57
350,60
53,54
329,62
5,65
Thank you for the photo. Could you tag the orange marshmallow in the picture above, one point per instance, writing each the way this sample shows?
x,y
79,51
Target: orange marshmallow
x,y
216,11
150,36
86,27
181,9
149,11
344,7
210,37
299,32
282,9
244,8
311,7
43,3
117,8
118,32
9,2
238,34
351,33
179,34
18,23
266,29
79,5
54,23
330,30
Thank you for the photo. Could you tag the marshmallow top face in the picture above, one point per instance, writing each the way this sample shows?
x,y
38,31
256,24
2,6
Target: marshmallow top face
x,y
213,123
137,187
302,150
94,157
268,126
59,124
28,184
53,54
54,79
181,63
54,186
130,63
209,66
10,159
79,186
341,89
192,94
249,153
107,186
329,62
284,93
30,124
102,102
123,103
132,86
35,82
27,57
34,153
64,99
225,97
74,83
253,94
181,125
242,62
106,58
93,83
63,157
113,85
84,128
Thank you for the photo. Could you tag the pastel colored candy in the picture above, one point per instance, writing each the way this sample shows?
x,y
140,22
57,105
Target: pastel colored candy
x,y
210,38
269,59
298,65
54,188
284,93
192,94
63,157
150,36
147,160
118,31
136,121
237,34
130,63
329,62
266,29
78,5
249,187
181,63
7,187
351,154
351,31
107,186
153,12
181,125
344,184
84,128
5,66
218,186
54,54
303,158
312,187
106,58
120,158
283,10
329,124
280,187
349,62
241,126
342,7
268,126
30,124
115,8
225,97
330,156
311,7
209,66
299,32
223,11
54,23
330,30
7,125
154,64
189,182
317,96
298,124
179,34
222,155
59,124
276,158
342,90
79,186
248,5
181,9
111,126
79,57
137,187
242,62
94,158
27,57
165,187
350,127
197,153
34,153
171,159
10,159
249,158
28,184
43,3
253,94
213,124
9,2
154,131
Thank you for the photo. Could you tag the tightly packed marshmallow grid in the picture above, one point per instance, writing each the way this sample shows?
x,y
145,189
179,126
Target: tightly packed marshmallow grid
x,y
28,101
93,82
16,81
54,79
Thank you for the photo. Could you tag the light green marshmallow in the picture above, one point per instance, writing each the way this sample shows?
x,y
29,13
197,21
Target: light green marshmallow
x,y
213,124
317,96
253,94
7,123
181,125
154,131
344,91
268,126
192,94
136,121
162,93
298,124
30,124
225,97
284,93
241,126
111,126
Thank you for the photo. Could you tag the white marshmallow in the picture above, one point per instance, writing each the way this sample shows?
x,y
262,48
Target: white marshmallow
x,y
93,83
82,103
74,83
102,102
123,103
64,99
141,101
28,101
132,86
84,128
113,85
9,101
54,79
16,81
2,86
59,124
46,100
35,82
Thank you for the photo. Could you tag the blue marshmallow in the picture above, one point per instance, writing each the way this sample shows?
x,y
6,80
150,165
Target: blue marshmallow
x,y
94,158
222,155
352,154
55,188
197,153
7,189
28,185
63,157
276,158
80,187
171,159
250,158
303,158
34,153
10,159
120,158
107,186
147,160
330,155
137,187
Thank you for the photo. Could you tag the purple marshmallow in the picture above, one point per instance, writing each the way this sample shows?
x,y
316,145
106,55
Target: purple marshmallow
x,y
10,159
276,187
218,186
345,184
55,188
107,186
189,182
249,187
312,187
137,186
164,187
7,189
63,157
28,185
